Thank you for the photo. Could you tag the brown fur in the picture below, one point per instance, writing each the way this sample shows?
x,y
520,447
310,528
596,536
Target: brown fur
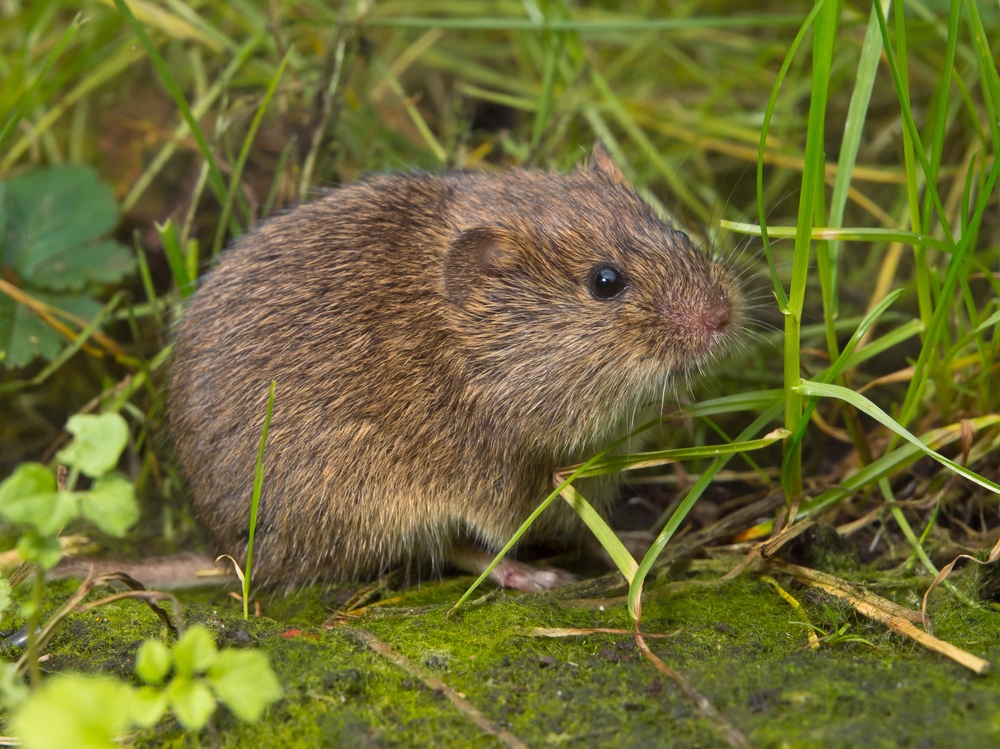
x,y
437,354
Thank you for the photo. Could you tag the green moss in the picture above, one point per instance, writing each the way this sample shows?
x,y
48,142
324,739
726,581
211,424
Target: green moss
x,y
736,645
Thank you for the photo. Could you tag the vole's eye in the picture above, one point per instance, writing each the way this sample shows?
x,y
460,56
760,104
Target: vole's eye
x,y
606,281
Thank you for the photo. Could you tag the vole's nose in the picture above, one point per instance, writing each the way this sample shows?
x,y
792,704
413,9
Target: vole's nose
x,y
716,317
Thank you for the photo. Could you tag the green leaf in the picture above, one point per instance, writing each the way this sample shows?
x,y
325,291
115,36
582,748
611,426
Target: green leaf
x,y
147,705
24,335
52,224
72,710
105,262
244,681
195,652
152,662
98,444
45,551
29,496
110,505
192,702
54,211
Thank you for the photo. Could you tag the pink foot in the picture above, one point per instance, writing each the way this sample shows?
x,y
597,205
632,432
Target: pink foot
x,y
508,573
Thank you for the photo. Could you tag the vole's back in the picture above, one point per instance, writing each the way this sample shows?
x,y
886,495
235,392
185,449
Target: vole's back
x,y
437,353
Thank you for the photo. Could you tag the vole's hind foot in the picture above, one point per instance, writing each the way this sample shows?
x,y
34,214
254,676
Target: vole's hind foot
x,y
509,573
527,578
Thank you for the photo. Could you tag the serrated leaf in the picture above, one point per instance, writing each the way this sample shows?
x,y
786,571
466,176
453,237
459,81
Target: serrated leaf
x,y
71,710
45,551
103,262
147,705
192,702
29,496
110,505
244,681
52,238
195,652
54,210
97,445
24,335
153,661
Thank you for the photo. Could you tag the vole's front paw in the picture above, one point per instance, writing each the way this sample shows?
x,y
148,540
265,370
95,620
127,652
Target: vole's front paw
x,y
524,577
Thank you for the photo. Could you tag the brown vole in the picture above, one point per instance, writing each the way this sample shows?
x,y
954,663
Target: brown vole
x,y
441,343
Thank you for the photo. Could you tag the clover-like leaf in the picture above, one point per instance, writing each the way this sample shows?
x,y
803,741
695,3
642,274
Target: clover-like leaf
x,y
29,496
195,651
45,551
110,505
98,443
192,702
153,661
147,705
244,681
72,710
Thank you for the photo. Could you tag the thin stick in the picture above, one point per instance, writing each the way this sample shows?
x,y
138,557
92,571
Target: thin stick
x,y
883,611
469,710
730,733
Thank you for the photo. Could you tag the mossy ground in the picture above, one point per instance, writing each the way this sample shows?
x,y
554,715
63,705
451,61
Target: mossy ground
x,y
736,643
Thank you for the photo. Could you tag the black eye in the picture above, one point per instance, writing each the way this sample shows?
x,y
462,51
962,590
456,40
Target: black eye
x,y
606,281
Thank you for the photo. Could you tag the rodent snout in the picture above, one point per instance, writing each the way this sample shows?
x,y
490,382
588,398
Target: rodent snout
x,y
716,317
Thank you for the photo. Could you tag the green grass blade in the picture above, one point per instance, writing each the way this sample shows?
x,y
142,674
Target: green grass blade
x,y
635,585
826,390
857,112
237,176
175,257
29,95
200,107
542,507
258,486
757,400
664,457
586,26
163,70
810,203
779,288
889,464
608,539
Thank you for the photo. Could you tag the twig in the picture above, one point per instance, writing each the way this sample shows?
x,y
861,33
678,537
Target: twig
x,y
730,733
883,611
469,710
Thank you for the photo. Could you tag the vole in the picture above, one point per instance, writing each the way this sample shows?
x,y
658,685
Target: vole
x,y
441,343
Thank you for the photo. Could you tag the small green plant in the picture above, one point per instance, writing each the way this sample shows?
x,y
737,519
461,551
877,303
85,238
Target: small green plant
x,y
92,711
32,496
838,633
203,676
53,254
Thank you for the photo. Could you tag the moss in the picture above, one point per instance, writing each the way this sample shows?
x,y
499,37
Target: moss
x,y
736,645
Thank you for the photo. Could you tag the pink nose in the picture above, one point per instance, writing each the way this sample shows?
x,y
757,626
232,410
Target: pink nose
x,y
716,318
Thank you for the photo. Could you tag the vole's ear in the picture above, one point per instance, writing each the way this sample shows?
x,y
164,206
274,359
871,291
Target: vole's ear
x,y
474,255
602,165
